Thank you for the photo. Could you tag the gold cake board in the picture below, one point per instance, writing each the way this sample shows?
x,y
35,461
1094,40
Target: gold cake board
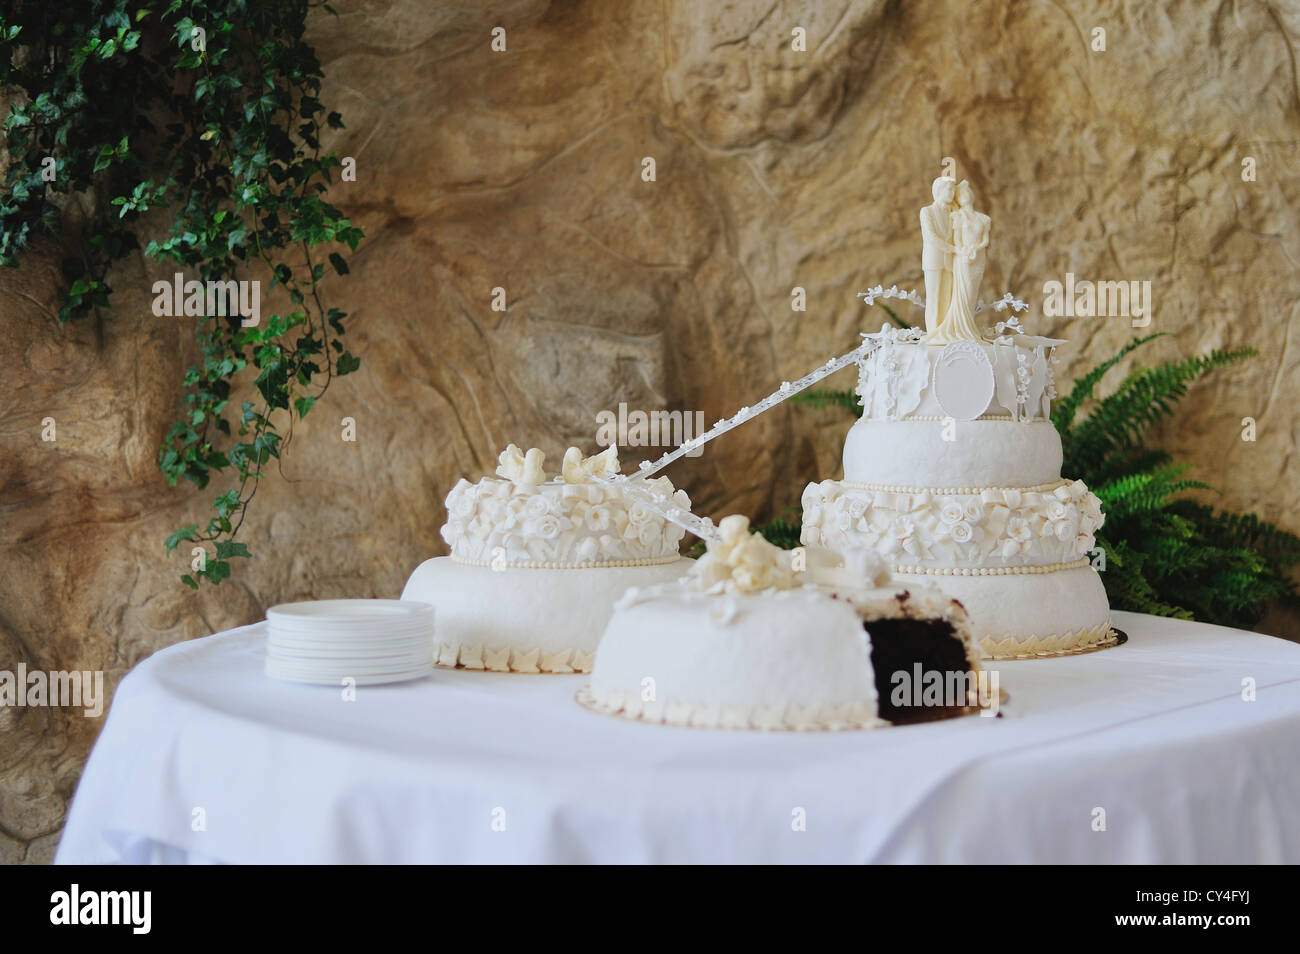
x,y
1116,637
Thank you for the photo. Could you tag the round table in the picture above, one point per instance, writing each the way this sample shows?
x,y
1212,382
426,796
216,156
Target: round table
x,y
1181,746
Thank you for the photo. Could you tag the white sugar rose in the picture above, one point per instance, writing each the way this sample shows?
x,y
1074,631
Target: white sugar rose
x,y
857,507
537,505
951,512
462,504
648,535
639,513
545,527
1056,510
962,532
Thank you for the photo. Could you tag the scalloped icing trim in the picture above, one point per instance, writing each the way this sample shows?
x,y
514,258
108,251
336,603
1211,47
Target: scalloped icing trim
x,y
785,716
510,659
1039,647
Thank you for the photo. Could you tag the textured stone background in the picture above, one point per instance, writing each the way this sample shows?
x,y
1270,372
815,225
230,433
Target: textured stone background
x,y
774,169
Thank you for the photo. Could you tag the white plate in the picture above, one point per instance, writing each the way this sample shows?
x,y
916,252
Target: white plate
x,y
337,681
347,666
293,652
346,612
351,645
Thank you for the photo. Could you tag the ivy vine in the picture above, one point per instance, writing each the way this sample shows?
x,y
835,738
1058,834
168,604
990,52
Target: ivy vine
x,y
211,111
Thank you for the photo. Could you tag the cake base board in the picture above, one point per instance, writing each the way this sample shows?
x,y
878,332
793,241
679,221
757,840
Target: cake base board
x,y
1117,637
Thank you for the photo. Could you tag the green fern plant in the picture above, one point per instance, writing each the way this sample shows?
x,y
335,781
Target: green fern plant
x,y
1165,553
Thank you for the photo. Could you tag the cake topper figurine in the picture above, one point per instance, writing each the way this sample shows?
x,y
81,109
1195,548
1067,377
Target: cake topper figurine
x,y
964,258
937,251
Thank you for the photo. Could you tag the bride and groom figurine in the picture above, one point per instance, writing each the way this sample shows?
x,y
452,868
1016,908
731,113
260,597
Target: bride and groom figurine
x,y
953,239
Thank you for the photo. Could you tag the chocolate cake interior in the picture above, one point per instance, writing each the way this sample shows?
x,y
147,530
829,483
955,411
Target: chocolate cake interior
x,y
922,673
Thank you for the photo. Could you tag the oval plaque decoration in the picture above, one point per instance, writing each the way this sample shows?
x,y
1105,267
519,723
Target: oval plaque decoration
x,y
963,380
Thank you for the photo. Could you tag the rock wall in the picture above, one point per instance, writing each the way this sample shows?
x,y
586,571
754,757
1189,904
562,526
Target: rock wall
x,y
774,169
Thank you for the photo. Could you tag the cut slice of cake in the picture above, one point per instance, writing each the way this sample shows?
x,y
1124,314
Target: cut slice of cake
x,y
744,643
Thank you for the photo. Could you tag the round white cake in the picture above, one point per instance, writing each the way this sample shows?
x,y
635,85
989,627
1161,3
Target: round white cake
x,y
777,659
536,564
740,645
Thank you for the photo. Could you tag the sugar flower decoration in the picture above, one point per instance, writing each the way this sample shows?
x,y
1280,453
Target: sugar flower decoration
x,y
741,562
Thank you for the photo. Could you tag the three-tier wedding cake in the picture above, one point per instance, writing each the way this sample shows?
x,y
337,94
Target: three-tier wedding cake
x,y
953,472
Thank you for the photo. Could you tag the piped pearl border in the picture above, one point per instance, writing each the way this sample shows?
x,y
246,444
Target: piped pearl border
x,y
952,491
555,565
937,419
990,570
508,659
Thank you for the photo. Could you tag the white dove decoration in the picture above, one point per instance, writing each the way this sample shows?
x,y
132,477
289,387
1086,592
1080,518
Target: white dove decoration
x,y
577,469
520,467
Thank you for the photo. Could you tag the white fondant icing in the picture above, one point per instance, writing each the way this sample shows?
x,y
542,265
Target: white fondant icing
x,y
981,454
896,380
775,648
772,659
1065,609
483,613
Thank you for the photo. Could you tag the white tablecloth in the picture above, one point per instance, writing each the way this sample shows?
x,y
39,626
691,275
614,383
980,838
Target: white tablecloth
x,y
203,758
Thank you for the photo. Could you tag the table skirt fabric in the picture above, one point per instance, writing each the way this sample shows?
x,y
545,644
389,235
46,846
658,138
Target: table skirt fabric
x,y
1153,752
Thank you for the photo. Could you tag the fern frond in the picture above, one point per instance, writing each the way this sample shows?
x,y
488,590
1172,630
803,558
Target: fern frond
x,y
1064,409
829,397
782,533
1126,586
1242,530
1147,396
1096,473
1147,492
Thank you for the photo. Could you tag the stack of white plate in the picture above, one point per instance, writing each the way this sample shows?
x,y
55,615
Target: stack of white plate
x,y
368,641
